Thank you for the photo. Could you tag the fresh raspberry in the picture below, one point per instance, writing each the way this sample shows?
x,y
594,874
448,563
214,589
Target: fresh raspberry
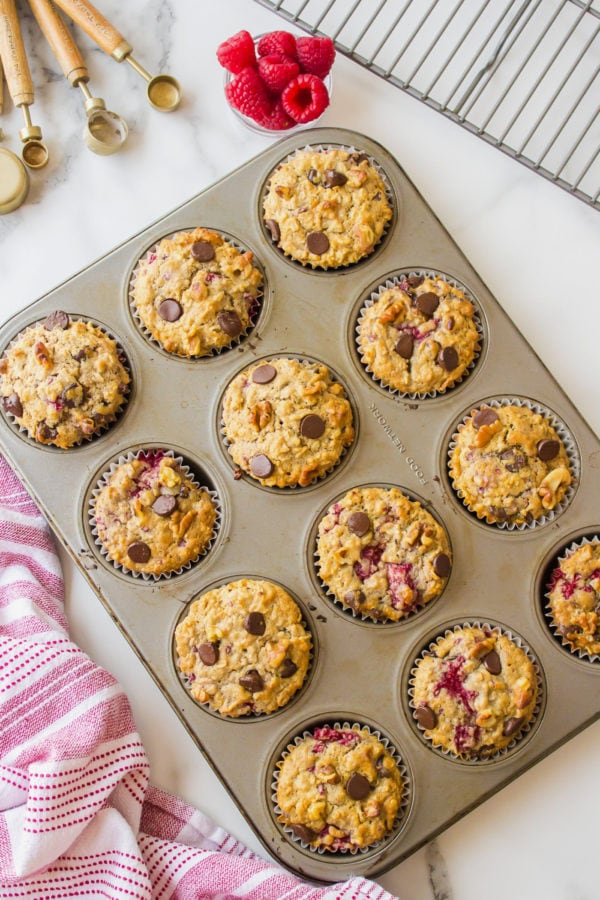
x,y
237,52
315,55
305,98
277,71
248,94
280,42
278,119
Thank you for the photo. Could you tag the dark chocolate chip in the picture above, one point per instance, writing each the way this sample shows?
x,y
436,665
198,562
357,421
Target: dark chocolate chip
x,y
484,416
170,310
164,505
450,323
12,404
229,322
261,466
497,512
548,449
448,358
203,251
357,158
264,374
209,653
71,402
512,725
252,681
313,176
358,523
273,227
442,565
254,623
46,433
312,426
427,303
358,787
415,280
317,242
56,319
354,598
426,717
334,179
405,345
288,668
492,663
138,552
513,460
304,833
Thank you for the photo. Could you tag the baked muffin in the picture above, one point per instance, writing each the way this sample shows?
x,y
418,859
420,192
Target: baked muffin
x,y
196,293
287,422
63,380
243,648
381,554
418,336
326,208
474,692
151,517
509,465
339,789
574,598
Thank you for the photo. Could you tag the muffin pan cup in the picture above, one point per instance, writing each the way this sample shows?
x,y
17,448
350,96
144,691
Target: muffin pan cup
x,y
362,669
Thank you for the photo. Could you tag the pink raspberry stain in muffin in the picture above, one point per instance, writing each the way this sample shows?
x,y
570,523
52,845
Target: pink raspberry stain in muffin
x,y
453,681
371,557
326,734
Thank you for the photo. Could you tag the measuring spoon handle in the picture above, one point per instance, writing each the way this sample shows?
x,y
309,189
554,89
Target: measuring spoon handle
x,y
12,51
97,27
59,37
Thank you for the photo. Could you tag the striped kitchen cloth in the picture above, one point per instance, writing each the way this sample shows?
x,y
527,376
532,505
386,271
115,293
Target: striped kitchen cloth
x,y
78,817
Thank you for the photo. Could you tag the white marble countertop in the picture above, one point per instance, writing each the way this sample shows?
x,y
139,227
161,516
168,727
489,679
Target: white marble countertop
x,y
536,248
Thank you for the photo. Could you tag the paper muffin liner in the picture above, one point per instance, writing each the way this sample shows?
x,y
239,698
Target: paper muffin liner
x,y
568,443
240,473
527,729
557,562
103,480
348,610
393,282
110,420
403,808
389,193
254,313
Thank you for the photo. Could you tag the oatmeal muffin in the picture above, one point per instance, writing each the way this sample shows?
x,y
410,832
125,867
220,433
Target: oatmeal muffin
x,y
196,292
150,517
574,598
474,692
418,336
339,789
381,554
243,649
509,465
63,380
326,208
287,422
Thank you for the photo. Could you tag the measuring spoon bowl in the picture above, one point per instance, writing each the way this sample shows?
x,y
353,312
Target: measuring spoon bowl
x,y
105,132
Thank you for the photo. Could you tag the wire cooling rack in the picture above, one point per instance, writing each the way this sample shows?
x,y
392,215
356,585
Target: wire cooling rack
x,y
523,75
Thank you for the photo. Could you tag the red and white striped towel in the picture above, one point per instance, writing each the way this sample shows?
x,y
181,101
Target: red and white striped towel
x,y
78,817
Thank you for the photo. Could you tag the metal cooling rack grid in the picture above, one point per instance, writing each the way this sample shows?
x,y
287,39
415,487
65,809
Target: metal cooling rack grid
x,y
523,75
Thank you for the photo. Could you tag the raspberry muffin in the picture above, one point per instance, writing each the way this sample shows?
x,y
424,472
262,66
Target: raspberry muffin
x,y
326,208
339,789
574,598
418,336
382,555
509,465
243,648
196,293
474,692
63,380
287,422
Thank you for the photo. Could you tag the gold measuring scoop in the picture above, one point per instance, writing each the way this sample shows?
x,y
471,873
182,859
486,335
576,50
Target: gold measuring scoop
x,y
105,131
20,85
163,91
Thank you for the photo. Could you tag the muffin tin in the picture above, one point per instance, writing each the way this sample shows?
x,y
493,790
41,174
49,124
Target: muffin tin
x,y
360,671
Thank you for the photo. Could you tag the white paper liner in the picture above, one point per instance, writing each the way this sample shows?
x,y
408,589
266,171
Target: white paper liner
x,y
216,351
99,432
402,809
577,652
388,193
477,320
291,487
568,443
525,730
147,576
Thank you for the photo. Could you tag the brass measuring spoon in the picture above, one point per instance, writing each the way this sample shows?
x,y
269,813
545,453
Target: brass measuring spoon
x,y
20,85
163,91
105,131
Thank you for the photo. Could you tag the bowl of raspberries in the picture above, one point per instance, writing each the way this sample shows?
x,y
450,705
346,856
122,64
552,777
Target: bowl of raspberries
x,y
277,81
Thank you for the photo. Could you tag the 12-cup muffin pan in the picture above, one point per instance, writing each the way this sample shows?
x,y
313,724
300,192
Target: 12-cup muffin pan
x,y
360,670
